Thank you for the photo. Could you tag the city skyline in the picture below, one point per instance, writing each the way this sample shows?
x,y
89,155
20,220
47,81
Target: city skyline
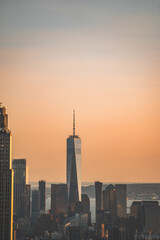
x,y
101,58
109,181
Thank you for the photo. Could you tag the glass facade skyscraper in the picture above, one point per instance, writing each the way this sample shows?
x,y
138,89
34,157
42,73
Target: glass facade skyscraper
x,y
19,167
74,167
42,192
6,179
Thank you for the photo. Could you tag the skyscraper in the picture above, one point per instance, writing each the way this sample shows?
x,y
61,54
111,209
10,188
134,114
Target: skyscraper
x,y
109,200
35,206
35,201
6,179
19,166
74,168
121,198
42,192
86,206
59,199
99,196
28,199
99,205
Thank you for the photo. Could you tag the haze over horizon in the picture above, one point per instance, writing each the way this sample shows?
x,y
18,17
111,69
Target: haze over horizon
x,y
99,57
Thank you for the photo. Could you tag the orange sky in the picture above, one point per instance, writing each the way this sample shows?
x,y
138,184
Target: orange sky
x,y
103,60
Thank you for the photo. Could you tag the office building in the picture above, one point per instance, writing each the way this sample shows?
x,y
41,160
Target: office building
x,y
59,199
42,193
136,205
35,206
99,206
6,179
35,200
121,198
86,206
19,166
28,201
85,203
78,207
148,217
73,168
99,196
109,200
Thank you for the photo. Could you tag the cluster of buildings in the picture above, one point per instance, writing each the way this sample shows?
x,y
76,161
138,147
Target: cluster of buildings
x,y
114,223
23,212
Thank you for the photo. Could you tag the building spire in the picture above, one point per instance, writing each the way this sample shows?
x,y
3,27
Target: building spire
x,y
73,122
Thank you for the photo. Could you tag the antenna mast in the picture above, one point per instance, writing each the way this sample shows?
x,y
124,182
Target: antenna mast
x,y
73,122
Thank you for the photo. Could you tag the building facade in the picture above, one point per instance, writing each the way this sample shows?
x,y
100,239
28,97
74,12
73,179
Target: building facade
x,y
42,193
19,166
28,199
6,179
110,200
59,199
74,168
121,198
35,206
99,205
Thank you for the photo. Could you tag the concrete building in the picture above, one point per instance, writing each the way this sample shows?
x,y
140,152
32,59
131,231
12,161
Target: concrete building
x,y
6,179
73,168
42,192
59,199
19,166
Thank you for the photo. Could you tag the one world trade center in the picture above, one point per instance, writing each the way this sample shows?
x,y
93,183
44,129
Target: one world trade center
x,y
73,168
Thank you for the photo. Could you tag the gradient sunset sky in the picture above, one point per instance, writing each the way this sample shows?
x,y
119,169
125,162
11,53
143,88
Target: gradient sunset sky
x,y
101,58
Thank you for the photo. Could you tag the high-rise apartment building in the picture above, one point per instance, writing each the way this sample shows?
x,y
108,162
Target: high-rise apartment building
x,y
6,179
73,168
59,199
19,166
42,193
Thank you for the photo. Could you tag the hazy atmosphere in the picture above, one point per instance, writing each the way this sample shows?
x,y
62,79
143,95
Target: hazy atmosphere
x,y
101,58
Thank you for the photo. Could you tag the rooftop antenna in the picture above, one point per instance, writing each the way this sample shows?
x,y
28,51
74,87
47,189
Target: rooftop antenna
x,y
73,122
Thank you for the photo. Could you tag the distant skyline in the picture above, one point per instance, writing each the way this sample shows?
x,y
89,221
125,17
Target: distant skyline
x,y
100,58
